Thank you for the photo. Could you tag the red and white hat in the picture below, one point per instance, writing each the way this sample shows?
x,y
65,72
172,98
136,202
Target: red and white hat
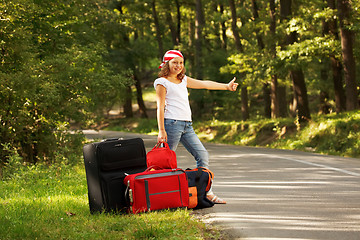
x,y
170,55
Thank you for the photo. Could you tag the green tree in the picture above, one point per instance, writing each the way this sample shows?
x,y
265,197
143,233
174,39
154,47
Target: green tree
x,y
347,45
52,73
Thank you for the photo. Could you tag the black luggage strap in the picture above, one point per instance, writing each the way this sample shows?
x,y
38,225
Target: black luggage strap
x,y
147,195
197,180
180,190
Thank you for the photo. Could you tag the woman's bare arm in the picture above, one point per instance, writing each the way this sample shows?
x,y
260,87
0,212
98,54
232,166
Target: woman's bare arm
x,y
160,102
211,85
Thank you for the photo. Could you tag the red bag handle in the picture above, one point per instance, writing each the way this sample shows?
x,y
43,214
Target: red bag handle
x,y
158,145
153,167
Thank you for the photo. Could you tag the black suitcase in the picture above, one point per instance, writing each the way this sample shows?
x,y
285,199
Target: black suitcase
x,y
106,165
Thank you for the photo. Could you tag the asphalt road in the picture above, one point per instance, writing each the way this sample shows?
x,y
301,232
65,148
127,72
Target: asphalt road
x,y
277,194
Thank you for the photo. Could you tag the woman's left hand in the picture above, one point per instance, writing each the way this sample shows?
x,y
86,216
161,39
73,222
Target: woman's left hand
x,y
232,85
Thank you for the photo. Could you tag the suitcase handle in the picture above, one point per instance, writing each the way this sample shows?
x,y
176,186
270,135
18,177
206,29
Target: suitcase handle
x,y
112,139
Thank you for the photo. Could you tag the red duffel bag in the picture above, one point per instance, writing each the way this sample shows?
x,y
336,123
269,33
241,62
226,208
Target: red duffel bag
x,y
162,157
156,190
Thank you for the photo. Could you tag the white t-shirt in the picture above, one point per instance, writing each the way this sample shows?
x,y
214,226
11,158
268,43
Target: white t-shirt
x,y
176,99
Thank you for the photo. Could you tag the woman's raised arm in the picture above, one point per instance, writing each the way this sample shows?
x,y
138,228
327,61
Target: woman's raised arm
x,y
211,85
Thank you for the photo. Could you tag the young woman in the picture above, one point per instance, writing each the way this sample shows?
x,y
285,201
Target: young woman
x,y
173,108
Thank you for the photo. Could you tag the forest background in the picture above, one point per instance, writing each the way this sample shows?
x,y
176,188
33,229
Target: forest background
x,y
70,63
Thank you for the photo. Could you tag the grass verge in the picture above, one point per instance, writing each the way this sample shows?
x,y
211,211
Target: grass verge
x,y
42,202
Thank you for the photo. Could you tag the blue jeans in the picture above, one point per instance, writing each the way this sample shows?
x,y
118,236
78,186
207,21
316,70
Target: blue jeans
x,y
182,131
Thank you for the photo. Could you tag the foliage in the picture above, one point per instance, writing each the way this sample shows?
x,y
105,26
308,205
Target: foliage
x,y
42,202
52,73
69,63
335,134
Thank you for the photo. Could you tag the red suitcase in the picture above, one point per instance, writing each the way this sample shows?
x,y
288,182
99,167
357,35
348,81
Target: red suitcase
x,y
158,189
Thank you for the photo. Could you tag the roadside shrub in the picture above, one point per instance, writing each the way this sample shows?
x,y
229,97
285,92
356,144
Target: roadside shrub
x,y
52,71
13,163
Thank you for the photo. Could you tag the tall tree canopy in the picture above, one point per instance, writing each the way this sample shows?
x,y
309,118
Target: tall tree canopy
x,y
70,61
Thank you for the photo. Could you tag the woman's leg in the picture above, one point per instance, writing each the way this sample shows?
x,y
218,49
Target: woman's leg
x,y
183,131
174,130
193,144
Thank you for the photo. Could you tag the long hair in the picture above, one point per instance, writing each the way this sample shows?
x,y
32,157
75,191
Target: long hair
x,y
165,70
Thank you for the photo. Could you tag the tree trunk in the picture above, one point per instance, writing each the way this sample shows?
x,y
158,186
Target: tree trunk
x,y
217,27
275,112
340,98
128,103
223,29
239,47
267,100
244,103
324,107
197,66
178,29
283,107
300,94
259,39
158,31
139,97
174,35
260,43
347,36
297,75
274,97
324,93
128,93
336,66
199,25
234,28
190,55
